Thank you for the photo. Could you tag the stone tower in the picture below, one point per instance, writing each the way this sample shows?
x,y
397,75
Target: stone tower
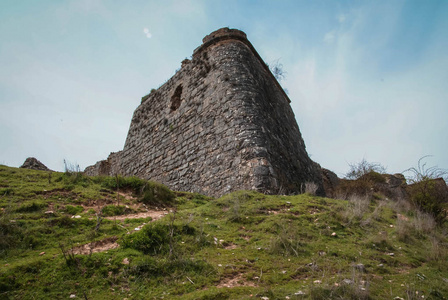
x,y
221,123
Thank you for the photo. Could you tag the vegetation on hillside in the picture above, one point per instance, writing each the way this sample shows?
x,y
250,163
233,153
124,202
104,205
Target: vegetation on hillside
x,y
153,243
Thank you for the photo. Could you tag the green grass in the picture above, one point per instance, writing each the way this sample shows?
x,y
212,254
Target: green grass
x,y
301,247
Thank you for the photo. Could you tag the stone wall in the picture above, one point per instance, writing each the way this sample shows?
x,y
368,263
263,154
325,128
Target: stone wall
x,y
221,123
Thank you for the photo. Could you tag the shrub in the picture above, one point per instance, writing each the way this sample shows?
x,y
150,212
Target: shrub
x,y
357,170
358,206
73,176
156,193
152,239
422,173
73,210
148,192
31,207
428,190
426,196
114,210
132,183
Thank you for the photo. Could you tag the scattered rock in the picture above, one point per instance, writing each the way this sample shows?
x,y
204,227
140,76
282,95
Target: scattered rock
x,y
317,281
72,296
42,253
125,261
334,234
33,164
299,293
390,254
49,212
347,281
264,298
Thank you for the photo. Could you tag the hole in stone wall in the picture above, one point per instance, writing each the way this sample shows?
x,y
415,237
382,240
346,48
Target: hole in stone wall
x,y
175,99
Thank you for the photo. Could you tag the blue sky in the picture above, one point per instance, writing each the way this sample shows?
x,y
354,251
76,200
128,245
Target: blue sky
x,y
367,79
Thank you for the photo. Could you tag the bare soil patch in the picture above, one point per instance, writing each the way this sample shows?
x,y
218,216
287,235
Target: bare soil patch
x,y
98,246
234,281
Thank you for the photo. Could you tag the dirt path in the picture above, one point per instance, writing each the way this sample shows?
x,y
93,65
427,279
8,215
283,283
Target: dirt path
x,y
154,214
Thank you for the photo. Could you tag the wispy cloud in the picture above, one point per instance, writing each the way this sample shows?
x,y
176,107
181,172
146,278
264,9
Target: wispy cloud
x,y
329,37
368,111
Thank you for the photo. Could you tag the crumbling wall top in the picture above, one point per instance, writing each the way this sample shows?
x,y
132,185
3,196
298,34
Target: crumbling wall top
x,y
220,35
224,32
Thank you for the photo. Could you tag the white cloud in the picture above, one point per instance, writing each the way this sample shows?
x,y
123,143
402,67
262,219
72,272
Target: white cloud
x,y
329,37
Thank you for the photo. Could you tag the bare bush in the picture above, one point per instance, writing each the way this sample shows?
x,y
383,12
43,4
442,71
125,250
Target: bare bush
x,y
423,223
378,209
357,208
437,251
357,170
402,206
310,188
403,229
423,173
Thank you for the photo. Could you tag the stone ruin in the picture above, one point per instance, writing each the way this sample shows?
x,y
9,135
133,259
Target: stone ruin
x,y
222,123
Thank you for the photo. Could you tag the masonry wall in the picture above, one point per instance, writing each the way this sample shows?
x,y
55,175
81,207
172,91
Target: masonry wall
x,y
221,123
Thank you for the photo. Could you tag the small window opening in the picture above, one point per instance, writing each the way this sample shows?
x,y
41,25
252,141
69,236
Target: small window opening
x,y
175,99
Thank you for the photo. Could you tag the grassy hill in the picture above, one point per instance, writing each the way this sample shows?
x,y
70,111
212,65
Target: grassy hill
x,y
65,235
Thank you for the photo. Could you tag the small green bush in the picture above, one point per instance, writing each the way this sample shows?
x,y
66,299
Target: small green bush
x,y
31,207
374,177
427,197
132,183
114,210
152,239
156,193
64,221
73,210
